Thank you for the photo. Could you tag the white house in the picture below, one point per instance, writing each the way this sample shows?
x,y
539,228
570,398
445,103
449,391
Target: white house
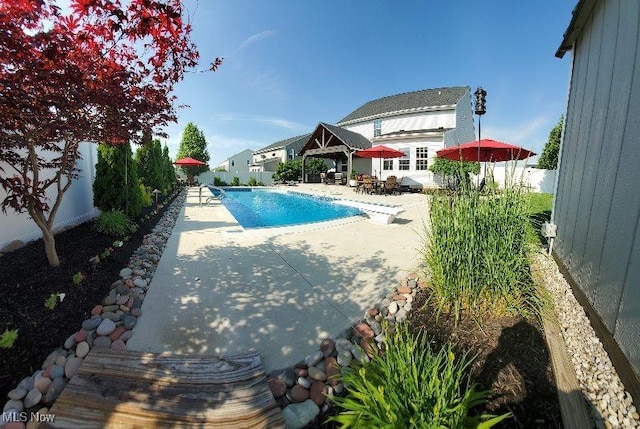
x,y
417,123
267,158
238,163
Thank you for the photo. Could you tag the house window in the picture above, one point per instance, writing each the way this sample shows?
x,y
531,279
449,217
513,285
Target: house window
x,y
387,164
377,127
403,163
422,158
292,154
233,163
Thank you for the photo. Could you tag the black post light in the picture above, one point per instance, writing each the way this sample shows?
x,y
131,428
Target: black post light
x,y
481,109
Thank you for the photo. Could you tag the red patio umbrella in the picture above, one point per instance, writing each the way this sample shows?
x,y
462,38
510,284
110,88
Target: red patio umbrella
x,y
379,151
186,162
485,150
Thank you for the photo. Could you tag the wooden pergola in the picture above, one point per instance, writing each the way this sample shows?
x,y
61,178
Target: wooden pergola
x,y
329,141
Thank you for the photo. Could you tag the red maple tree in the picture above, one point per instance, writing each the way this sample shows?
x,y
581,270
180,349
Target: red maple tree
x,y
104,71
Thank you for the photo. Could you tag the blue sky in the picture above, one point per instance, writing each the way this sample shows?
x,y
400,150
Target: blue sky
x,y
289,64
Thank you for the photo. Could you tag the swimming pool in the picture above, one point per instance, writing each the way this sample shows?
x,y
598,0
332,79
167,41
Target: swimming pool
x,y
264,208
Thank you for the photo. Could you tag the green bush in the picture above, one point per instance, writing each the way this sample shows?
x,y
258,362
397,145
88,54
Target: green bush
x,y
116,185
115,222
286,171
235,181
219,182
476,252
146,197
411,386
252,181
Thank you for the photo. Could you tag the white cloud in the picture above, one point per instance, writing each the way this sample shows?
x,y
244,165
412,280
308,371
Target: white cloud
x,y
221,147
251,40
268,120
532,134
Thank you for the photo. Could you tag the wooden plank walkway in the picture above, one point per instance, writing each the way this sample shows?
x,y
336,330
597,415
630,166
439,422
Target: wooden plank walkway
x,y
145,390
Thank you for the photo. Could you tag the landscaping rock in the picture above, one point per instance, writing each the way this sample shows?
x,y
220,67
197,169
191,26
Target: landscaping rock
x,y
297,416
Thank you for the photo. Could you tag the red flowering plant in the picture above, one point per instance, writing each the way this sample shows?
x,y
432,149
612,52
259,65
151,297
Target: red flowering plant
x,y
102,71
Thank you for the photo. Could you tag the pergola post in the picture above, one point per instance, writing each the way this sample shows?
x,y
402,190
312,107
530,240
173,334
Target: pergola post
x,y
304,157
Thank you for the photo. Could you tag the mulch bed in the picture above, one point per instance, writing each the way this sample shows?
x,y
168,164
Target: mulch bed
x,y
27,280
512,359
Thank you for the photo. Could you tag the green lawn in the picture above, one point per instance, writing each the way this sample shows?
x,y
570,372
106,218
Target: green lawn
x,y
539,209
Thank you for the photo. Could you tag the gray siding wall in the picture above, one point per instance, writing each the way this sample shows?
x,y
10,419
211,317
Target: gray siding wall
x,y
597,206
464,130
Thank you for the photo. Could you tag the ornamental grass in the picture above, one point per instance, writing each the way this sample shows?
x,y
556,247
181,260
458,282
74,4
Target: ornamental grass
x,y
411,386
476,253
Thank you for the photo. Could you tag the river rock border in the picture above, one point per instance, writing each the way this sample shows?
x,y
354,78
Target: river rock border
x,y
303,390
110,326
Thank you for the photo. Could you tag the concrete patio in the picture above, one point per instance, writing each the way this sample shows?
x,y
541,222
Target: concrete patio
x,y
220,289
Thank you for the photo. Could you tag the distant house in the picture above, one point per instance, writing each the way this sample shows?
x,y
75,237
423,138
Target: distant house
x,y
238,163
597,199
267,158
417,123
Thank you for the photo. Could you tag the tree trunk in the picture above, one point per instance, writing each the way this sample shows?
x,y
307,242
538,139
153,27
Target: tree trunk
x,y
50,247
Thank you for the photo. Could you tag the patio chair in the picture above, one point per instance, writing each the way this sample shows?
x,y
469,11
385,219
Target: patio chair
x,y
368,187
390,186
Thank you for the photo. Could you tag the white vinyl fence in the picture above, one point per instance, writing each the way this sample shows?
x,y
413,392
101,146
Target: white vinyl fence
x,y
77,205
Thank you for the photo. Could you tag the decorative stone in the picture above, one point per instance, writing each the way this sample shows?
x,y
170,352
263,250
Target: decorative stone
x,y
80,336
299,393
109,309
82,349
32,398
304,382
21,392
137,312
118,345
393,307
125,273
327,347
359,354
332,369
54,390
41,383
404,289
92,323
313,359
128,321
286,375
344,357
126,336
117,332
369,348
109,300
114,317
102,342
57,371
342,344
13,404
72,366
141,283
298,416
364,330
375,327
401,315
318,392
277,386
70,342
106,327
373,312
316,374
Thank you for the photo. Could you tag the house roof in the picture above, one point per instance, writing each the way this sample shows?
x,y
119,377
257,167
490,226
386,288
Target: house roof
x,y
349,138
320,144
579,18
408,101
283,143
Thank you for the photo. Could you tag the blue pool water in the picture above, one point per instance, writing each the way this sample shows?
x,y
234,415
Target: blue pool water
x,y
261,208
